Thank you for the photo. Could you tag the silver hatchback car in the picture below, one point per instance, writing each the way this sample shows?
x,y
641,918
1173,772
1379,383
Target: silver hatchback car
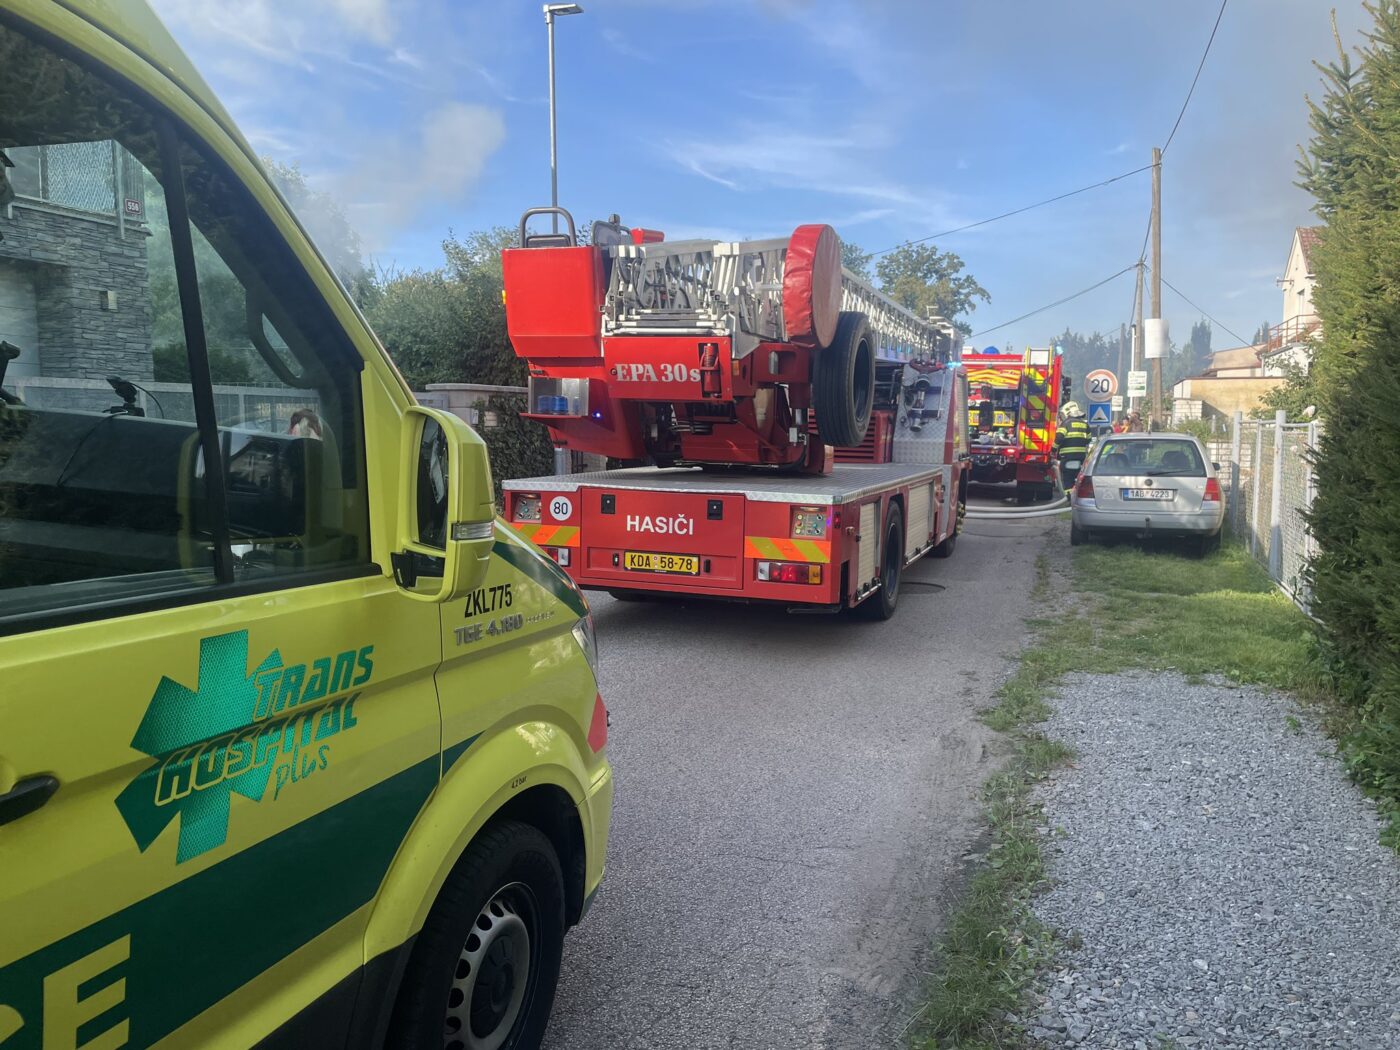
x,y
1148,485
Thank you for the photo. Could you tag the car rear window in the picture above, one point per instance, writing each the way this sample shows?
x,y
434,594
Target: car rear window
x,y
1151,457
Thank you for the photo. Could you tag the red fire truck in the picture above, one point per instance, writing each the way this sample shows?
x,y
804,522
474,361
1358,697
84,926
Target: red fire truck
x,y
783,431
1013,409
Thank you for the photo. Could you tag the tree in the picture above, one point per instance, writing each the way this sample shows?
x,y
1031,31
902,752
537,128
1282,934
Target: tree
x,y
927,281
855,260
1351,169
448,325
1261,334
1197,350
324,219
1084,353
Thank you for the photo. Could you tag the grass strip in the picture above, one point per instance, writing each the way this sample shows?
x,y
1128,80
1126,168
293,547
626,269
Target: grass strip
x,y
1129,609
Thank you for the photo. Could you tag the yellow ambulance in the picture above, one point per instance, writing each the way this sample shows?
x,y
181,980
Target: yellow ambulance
x,y
298,745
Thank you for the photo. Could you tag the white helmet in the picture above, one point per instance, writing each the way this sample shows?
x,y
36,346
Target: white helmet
x,y
1073,411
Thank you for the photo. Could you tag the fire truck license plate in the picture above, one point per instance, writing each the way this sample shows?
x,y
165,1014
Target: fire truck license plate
x,y
1160,495
648,561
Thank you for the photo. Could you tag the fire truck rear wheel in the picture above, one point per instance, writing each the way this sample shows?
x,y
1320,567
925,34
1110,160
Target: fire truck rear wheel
x,y
881,604
949,542
843,382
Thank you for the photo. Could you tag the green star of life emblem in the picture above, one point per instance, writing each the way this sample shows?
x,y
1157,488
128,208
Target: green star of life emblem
x,y
179,730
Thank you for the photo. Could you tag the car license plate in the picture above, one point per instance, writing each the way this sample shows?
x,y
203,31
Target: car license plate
x,y
1158,495
649,561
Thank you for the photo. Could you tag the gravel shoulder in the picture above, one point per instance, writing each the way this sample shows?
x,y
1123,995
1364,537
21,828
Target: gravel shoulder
x,y
1218,875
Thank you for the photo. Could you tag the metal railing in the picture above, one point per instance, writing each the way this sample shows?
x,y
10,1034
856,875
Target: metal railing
x,y
736,288
97,177
1267,472
1294,330
250,407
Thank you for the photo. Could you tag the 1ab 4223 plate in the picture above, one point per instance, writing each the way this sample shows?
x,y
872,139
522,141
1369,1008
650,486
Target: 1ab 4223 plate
x,y
1156,495
650,561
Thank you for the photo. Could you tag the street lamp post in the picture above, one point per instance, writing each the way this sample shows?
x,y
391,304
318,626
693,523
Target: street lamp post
x,y
562,459
551,11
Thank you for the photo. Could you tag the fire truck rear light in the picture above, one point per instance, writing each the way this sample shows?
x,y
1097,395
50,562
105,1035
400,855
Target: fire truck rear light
x,y
788,572
527,508
1212,493
561,555
598,727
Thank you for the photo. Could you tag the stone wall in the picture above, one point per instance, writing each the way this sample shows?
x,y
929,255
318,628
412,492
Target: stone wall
x,y
75,257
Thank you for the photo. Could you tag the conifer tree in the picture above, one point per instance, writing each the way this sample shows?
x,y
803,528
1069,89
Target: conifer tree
x,y
1352,168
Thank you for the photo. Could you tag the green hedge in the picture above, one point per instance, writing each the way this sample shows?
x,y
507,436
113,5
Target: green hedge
x,y
1353,171
519,448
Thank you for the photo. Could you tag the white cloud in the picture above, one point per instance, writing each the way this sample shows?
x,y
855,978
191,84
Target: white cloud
x,y
441,166
841,163
292,34
619,43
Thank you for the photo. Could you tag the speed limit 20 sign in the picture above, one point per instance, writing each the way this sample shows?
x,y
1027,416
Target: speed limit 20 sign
x,y
1100,384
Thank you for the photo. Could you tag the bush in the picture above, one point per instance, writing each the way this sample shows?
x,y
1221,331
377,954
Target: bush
x,y
1351,169
519,448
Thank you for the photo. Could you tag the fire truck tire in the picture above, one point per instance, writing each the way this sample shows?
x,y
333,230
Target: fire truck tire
x,y
881,604
843,382
945,548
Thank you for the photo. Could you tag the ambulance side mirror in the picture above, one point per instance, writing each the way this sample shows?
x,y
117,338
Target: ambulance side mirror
x,y
447,513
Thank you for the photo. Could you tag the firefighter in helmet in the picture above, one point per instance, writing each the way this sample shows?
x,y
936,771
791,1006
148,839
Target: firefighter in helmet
x,y
1072,444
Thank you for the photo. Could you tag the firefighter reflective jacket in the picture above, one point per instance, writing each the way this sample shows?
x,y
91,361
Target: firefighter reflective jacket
x,y
1073,439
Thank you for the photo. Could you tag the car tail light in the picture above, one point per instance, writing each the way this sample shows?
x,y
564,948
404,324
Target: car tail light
x,y
598,727
788,572
1212,491
1084,487
527,508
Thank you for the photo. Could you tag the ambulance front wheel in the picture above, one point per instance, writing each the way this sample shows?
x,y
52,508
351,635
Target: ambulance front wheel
x,y
484,969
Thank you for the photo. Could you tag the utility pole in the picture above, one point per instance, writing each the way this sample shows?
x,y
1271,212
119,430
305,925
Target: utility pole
x,y
1122,354
1156,277
1135,403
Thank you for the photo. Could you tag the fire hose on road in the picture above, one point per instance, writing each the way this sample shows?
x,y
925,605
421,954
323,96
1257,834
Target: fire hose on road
x,y
1059,506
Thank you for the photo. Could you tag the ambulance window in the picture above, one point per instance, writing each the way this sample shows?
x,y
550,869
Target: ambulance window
x,y
287,390
105,495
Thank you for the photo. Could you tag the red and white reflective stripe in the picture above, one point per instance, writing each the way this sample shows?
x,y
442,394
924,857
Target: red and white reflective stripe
x,y
598,728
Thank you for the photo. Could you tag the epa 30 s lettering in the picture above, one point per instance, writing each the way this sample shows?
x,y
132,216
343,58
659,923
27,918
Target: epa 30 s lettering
x,y
644,372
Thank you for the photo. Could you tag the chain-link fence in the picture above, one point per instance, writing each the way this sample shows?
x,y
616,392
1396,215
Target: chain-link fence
x,y
86,176
1268,505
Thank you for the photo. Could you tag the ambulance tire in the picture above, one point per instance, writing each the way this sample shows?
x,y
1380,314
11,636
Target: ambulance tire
x,y
881,605
489,952
843,382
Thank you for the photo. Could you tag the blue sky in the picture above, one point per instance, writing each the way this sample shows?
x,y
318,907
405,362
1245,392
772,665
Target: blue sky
x,y
889,119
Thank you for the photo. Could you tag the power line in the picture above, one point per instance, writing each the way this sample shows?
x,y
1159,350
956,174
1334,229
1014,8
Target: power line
x,y
1051,306
1197,77
1017,211
1208,317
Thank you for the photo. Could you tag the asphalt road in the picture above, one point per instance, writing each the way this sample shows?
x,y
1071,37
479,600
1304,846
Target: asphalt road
x,y
795,798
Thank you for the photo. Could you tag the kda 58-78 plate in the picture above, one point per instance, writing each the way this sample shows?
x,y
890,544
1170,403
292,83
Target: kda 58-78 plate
x,y
650,561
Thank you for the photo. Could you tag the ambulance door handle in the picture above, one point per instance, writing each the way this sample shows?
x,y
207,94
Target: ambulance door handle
x,y
26,796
